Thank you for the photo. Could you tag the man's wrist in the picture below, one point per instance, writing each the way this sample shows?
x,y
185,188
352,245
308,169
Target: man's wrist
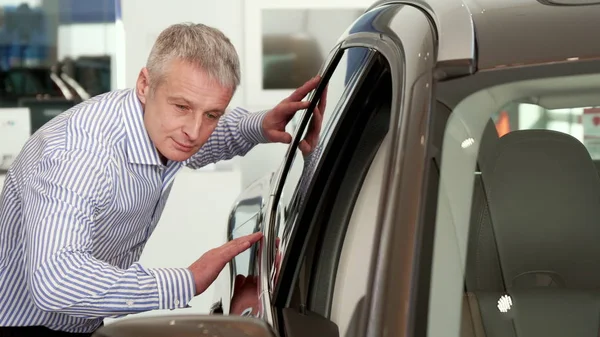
x,y
251,127
176,287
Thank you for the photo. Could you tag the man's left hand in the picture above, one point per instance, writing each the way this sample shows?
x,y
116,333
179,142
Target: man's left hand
x,y
276,119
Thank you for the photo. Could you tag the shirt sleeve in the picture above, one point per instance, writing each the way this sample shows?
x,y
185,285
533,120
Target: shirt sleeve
x,y
237,133
60,203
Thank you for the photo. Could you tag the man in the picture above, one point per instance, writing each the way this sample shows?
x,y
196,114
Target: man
x,y
88,188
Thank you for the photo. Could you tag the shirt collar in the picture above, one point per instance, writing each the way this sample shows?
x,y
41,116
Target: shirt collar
x,y
140,149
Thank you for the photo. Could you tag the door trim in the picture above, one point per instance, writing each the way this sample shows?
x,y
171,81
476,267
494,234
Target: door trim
x,y
391,300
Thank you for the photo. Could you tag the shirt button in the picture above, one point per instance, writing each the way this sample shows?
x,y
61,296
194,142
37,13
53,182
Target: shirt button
x,y
130,303
176,302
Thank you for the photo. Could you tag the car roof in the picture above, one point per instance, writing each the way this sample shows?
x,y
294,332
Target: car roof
x,y
518,32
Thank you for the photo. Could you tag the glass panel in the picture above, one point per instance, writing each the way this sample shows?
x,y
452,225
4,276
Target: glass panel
x,y
583,123
516,241
341,84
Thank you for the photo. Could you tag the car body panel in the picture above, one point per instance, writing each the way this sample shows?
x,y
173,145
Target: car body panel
x,y
541,33
455,33
490,31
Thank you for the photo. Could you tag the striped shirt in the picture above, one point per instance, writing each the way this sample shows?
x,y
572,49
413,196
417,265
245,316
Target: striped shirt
x,y
78,206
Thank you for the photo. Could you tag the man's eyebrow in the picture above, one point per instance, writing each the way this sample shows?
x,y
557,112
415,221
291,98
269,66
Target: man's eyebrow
x,y
179,99
217,111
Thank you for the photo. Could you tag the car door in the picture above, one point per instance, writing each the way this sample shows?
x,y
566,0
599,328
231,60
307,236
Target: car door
x,y
384,106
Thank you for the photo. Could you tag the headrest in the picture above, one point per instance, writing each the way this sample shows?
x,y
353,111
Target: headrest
x,y
489,139
543,192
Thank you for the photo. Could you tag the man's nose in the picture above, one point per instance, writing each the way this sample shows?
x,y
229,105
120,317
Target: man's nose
x,y
192,128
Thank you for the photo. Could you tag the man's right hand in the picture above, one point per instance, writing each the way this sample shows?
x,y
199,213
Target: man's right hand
x,y
209,266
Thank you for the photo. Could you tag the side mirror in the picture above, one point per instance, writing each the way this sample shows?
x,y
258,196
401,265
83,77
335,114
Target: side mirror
x,y
187,326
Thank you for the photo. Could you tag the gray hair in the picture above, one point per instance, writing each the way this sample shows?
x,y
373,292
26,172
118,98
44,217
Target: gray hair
x,y
200,45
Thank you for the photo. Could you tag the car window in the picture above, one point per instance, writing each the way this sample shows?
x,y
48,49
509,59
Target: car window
x,y
516,235
339,87
582,123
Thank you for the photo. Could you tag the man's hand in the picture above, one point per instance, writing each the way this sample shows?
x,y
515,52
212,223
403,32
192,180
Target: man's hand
x,y
245,291
245,296
311,140
276,119
208,266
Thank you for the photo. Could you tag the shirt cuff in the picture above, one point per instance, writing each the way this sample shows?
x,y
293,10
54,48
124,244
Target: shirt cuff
x,y
251,127
176,287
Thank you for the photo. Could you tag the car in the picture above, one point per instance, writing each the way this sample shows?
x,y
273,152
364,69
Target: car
x,y
455,189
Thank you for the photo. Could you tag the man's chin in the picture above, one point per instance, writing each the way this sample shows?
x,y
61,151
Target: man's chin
x,y
176,155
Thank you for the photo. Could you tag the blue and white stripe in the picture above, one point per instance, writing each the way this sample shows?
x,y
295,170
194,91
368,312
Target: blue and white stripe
x,y
78,206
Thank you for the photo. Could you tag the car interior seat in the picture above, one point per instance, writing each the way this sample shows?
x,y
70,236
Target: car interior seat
x,y
533,260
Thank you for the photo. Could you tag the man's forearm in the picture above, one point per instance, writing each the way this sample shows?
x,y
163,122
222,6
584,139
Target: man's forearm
x,y
85,287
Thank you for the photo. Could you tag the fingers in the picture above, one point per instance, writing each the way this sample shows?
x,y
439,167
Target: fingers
x,y
301,92
312,136
234,247
281,137
323,100
251,238
317,123
289,109
304,147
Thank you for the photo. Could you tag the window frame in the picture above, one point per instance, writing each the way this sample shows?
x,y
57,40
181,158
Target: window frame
x,y
346,98
348,171
272,212
311,211
396,300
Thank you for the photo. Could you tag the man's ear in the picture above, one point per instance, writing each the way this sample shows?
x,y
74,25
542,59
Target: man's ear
x,y
143,85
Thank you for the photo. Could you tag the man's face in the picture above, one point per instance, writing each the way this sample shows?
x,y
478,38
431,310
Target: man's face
x,y
182,111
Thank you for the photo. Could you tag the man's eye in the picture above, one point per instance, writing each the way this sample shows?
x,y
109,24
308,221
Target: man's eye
x,y
212,116
181,107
